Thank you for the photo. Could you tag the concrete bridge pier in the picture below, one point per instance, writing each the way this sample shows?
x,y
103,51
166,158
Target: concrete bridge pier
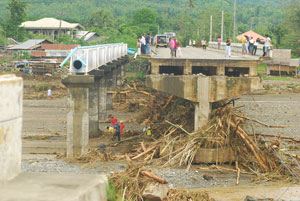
x,y
102,98
78,125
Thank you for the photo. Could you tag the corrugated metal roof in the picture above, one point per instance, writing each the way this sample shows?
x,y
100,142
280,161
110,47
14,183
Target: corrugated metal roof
x,y
89,36
30,44
50,23
59,46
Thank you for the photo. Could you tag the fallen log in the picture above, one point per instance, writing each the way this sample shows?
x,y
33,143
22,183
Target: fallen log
x,y
277,136
142,154
154,176
249,142
259,122
168,102
178,126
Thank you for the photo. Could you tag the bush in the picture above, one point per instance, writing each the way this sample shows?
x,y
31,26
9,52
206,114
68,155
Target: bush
x,y
43,87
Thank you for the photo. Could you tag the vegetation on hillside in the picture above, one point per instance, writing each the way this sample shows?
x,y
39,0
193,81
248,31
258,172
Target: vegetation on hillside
x,y
120,20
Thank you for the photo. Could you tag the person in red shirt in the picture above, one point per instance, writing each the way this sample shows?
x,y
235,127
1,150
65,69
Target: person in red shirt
x,y
113,121
122,126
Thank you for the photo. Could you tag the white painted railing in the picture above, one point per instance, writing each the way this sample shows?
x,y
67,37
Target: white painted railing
x,y
87,58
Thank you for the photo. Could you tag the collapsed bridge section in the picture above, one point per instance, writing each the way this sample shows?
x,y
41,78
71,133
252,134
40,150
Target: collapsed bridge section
x,y
204,81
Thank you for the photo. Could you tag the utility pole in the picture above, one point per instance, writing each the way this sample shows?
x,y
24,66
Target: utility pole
x,y
158,28
234,20
222,25
210,34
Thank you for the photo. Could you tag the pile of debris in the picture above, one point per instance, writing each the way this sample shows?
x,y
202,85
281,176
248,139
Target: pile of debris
x,y
137,183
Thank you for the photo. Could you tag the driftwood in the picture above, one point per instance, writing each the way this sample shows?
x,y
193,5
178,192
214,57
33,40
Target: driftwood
x,y
168,102
277,136
144,153
250,143
154,176
259,122
237,173
178,126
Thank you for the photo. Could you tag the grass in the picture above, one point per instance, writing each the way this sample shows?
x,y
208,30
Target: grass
x,y
262,68
113,194
266,77
136,76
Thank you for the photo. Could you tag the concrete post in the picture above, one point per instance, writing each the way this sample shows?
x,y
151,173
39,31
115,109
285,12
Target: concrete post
x,y
78,113
253,71
202,111
102,115
93,109
119,75
123,71
109,88
188,67
221,70
154,68
11,109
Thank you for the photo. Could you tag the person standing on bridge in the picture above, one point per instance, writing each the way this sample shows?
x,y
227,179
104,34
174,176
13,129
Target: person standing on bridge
x,y
203,43
148,43
228,48
243,44
143,44
219,42
172,47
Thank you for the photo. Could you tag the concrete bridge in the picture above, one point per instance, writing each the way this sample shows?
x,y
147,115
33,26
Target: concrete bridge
x,y
203,77
93,71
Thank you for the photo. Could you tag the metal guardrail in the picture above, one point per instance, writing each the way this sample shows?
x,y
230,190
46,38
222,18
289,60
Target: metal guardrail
x,y
87,58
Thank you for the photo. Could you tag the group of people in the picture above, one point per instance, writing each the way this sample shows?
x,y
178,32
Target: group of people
x,y
144,43
116,128
175,49
249,45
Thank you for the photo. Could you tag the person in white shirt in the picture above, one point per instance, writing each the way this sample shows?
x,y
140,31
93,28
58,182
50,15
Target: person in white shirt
x,y
143,44
267,46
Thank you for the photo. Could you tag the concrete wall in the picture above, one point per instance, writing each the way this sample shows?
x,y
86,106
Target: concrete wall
x,y
237,47
11,110
211,88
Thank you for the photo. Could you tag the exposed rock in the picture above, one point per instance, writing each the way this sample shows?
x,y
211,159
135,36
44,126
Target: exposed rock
x,y
155,192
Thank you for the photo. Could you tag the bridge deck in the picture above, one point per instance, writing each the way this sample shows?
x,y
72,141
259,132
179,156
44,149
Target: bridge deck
x,y
208,62
198,53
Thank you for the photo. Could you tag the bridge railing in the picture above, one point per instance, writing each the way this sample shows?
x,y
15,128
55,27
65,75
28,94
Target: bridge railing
x,y
87,58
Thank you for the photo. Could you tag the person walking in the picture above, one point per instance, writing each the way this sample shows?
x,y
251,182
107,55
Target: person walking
x,y
203,43
49,93
247,45
113,121
243,44
179,52
255,46
176,46
251,44
143,44
148,47
122,126
117,132
228,48
172,47
219,42
267,45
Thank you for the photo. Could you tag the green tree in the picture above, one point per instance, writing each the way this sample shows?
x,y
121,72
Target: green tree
x,y
17,10
145,16
100,18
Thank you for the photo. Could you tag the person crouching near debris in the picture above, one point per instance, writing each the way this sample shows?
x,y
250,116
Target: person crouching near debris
x,y
149,131
49,94
110,130
113,121
117,132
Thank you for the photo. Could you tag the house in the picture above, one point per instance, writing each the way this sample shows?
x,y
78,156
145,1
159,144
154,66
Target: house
x,y
88,36
32,44
52,27
251,34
